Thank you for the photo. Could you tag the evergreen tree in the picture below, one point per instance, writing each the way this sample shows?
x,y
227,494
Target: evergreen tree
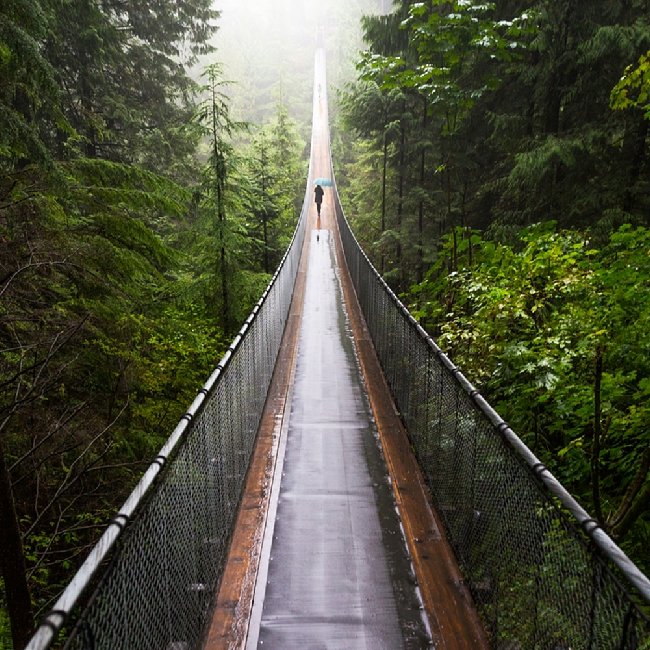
x,y
93,106
123,72
219,127
517,123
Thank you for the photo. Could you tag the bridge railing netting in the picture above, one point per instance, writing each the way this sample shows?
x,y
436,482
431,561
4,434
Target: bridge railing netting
x,y
538,581
165,551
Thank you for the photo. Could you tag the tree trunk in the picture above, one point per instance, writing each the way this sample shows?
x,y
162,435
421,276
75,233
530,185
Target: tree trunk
x,y
639,506
400,201
420,270
21,105
595,445
383,195
635,164
552,112
12,562
633,500
221,217
266,242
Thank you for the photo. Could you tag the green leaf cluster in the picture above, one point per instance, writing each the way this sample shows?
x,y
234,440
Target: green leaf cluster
x,y
635,80
528,323
493,116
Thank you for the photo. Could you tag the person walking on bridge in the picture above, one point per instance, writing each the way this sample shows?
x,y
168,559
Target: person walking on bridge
x,y
318,192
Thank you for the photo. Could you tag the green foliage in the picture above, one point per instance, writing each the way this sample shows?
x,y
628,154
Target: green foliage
x,y
5,625
91,315
247,207
493,116
527,324
27,83
276,175
221,200
452,40
637,80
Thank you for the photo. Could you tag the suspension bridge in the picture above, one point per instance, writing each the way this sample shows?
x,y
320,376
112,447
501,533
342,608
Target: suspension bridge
x,y
338,484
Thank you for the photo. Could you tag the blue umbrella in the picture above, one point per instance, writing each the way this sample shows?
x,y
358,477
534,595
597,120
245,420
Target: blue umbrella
x,y
323,181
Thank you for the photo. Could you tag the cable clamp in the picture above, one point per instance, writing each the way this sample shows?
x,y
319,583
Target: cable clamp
x,y
120,524
159,460
54,612
593,526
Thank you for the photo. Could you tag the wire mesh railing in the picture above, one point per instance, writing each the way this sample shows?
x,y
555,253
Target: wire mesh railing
x,y
543,574
164,552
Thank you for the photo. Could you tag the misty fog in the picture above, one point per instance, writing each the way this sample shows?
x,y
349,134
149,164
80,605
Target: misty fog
x,y
267,46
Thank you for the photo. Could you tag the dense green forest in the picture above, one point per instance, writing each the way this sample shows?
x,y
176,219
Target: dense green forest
x,y
139,224
493,158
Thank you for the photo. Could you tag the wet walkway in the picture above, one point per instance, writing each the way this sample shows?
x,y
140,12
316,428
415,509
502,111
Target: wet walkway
x,y
319,557
339,576
334,571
